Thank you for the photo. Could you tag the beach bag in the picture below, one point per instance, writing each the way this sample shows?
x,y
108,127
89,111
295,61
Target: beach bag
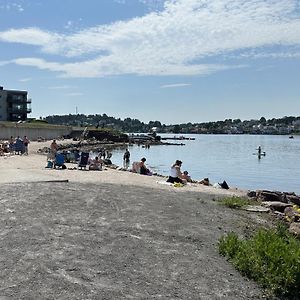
x,y
224,185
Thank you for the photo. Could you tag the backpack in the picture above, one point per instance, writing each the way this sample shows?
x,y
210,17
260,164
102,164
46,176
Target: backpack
x,y
224,185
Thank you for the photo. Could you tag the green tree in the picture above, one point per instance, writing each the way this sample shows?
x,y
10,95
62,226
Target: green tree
x,y
177,129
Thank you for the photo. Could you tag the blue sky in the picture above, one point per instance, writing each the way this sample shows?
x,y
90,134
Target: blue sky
x,y
175,61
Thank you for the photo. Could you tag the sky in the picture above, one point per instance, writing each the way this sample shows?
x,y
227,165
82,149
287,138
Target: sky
x,y
175,61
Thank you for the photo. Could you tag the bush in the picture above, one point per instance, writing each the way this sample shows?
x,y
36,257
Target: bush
x,y
236,202
271,258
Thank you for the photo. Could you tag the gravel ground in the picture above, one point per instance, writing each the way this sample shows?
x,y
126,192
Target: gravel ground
x,y
107,241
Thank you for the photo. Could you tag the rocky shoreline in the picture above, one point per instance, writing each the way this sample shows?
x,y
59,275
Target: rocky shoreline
x,y
284,205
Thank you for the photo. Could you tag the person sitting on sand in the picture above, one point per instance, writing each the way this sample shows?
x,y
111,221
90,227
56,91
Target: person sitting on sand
x,y
175,173
142,167
204,181
185,175
96,164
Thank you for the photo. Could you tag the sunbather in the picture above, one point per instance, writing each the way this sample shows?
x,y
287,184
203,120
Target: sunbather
x,y
96,164
175,173
185,175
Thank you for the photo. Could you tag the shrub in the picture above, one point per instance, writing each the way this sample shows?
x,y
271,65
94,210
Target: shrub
x,y
236,202
271,257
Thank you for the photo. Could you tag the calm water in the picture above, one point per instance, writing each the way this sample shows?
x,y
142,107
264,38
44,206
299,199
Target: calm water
x,y
230,158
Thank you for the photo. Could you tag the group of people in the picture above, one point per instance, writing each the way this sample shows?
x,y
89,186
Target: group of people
x,y
15,146
93,163
176,175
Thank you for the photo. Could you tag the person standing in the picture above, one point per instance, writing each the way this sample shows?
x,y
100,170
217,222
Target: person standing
x,y
126,158
53,148
259,150
25,142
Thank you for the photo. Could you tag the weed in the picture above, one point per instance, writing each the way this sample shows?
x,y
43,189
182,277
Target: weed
x,y
236,202
271,257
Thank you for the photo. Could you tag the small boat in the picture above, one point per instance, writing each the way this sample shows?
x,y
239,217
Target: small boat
x,y
291,137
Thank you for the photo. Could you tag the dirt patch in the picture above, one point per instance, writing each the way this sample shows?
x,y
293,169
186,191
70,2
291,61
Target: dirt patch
x,y
106,241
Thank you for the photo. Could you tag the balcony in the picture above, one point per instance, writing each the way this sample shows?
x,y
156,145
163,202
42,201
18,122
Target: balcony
x,y
19,110
19,101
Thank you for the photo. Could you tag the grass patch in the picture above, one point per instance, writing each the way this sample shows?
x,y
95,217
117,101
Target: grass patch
x,y
31,124
271,258
236,202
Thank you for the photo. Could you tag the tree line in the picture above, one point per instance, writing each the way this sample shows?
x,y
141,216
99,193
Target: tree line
x,y
135,125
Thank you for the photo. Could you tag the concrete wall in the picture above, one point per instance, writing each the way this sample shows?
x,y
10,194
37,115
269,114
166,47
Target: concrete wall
x,y
33,133
3,105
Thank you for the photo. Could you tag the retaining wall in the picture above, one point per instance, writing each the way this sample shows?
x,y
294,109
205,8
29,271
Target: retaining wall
x,y
33,133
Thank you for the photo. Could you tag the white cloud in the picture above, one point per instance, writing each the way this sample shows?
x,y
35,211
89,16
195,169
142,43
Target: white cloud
x,y
176,41
25,79
175,85
12,6
4,63
60,87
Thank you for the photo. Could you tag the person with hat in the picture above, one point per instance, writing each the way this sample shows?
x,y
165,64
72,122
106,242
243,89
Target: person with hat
x,y
175,173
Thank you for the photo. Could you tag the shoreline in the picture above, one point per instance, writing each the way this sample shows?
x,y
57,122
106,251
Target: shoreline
x,y
31,168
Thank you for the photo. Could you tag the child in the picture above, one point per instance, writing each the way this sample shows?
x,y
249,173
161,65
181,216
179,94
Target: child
x,y
186,176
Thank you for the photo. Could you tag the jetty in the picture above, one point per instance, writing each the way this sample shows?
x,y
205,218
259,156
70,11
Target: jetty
x,y
178,138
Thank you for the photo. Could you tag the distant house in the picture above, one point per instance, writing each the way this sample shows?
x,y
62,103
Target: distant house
x,y
14,105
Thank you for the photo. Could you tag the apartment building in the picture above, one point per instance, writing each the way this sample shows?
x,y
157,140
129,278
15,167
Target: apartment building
x,y
14,105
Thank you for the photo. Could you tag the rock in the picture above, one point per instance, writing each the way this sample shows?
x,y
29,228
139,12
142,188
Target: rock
x,y
276,205
271,196
292,214
295,229
256,208
251,194
289,212
294,199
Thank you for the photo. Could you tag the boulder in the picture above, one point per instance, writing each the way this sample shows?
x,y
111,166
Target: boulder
x,y
271,196
251,194
292,214
276,205
294,199
295,229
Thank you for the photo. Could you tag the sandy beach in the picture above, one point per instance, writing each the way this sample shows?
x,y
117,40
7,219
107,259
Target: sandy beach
x,y
114,235
31,168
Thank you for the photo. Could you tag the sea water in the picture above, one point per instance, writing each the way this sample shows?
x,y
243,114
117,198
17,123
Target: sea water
x,y
228,157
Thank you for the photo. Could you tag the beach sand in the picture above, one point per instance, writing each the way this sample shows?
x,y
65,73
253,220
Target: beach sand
x,y
114,235
31,168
